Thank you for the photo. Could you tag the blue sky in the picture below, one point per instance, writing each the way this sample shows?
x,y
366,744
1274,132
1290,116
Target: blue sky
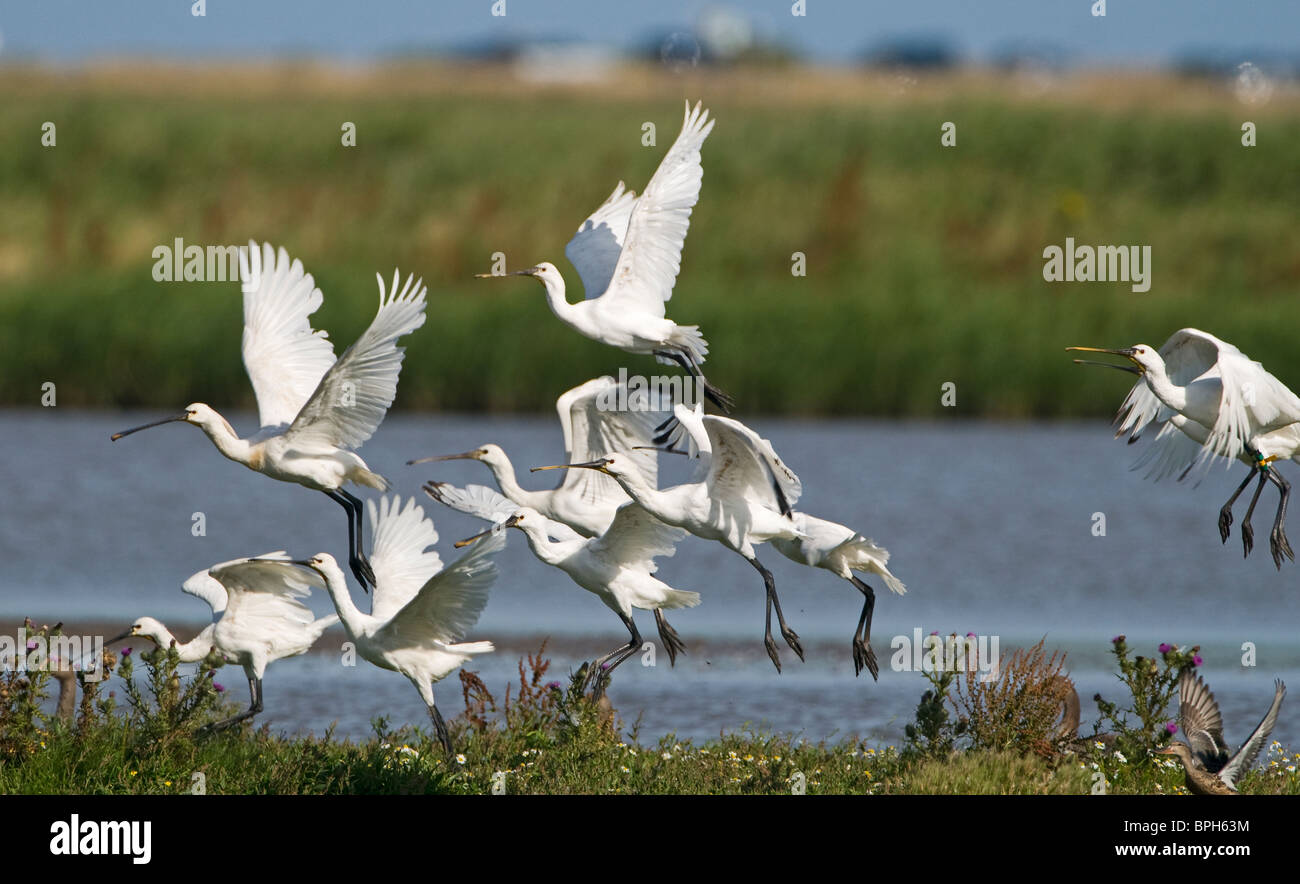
x,y
1134,33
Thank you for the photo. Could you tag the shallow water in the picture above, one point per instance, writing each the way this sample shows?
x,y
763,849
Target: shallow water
x,y
990,525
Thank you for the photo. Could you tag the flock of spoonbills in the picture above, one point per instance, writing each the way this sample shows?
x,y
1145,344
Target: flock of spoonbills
x,y
604,525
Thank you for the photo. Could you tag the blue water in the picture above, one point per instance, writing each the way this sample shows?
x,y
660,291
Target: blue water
x,y
990,525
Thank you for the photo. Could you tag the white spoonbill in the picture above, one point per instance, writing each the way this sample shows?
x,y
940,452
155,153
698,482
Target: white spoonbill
x,y
1209,769
314,411
258,617
1232,408
420,610
628,253
585,501
617,567
740,496
841,550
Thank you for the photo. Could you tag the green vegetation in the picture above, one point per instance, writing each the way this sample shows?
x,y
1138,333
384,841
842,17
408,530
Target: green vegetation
x,y
924,264
544,738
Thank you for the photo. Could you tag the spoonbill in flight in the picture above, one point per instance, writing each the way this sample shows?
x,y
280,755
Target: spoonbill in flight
x,y
741,495
258,617
420,610
314,410
1230,407
1208,767
585,501
617,567
628,254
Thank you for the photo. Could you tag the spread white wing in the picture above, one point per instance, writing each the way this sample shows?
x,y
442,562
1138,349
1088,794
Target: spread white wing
x,y
490,506
595,248
267,592
656,231
400,556
352,398
594,429
285,359
450,602
745,465
635,538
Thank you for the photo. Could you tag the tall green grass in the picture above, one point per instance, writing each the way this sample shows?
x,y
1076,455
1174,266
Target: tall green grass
x,y
924,264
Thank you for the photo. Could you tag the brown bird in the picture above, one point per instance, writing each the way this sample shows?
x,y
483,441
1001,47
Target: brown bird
x,y
1208,768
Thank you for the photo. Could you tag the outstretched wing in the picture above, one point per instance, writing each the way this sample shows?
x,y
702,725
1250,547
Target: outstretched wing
x,y
635,538
450,602
486,504
351,399
745,465
400,556
1201,721
595,248
1249,751
652,252
605,418
203,585
284,357
1175,449
267,591
1252,402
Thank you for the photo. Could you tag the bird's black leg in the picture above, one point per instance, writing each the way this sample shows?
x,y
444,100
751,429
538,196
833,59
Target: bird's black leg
x,y
356,557
440,728
863,655
791,638
1247,532
672,641
600,673
1225,514
712,393
254,707
1278,544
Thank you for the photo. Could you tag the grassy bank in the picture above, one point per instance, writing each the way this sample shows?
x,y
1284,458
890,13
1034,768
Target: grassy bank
x,y
924,264
540,737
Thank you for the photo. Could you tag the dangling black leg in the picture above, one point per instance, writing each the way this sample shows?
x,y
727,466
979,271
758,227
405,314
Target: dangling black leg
x,y
356,556
863,655
1247,532
712,393
600,673
791,638
440,728
1225,514
672,641
1277,542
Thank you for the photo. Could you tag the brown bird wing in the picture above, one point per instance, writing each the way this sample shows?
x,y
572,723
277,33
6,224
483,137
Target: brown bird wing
x,y
1249,751
1202,724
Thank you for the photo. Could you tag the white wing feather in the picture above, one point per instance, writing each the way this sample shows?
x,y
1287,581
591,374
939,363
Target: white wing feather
x,y
449,603
353,396
651,256
745,464
595,248
266,590
490,506
635,538
285,359
400,555
596,431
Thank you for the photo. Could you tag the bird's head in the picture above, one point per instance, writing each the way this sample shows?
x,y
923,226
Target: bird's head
x,y
145,627
490,454
546,273
519,517
1142,357
198,413
323,564
1177,749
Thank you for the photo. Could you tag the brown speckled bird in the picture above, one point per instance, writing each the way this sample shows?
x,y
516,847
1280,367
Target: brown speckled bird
x,y
1208,767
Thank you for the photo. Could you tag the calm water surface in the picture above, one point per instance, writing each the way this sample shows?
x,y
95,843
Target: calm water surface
x,y
990,525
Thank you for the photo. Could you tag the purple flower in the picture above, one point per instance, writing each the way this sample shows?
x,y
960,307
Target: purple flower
x,y
970,635
1196,660
554,685
1117,639
31,645
1171,728
936,632
218,686
1165,647
604,666
126,652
